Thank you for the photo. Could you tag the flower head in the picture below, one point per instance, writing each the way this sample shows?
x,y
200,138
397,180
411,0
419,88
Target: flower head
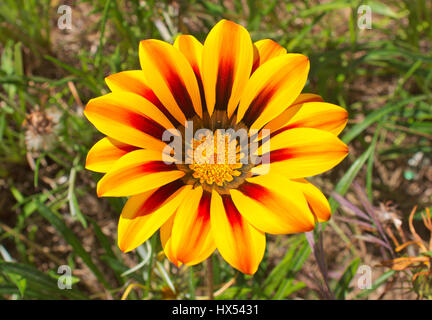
x,y
242,137
41,127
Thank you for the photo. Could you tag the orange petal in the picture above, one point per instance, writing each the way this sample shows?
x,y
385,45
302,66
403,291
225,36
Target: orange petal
x,y
226,65
169,74
272,88
239,243
134,81
105,153
191,238
165,236
273,204
281,120
137,172
303,152
145,213
129,118
192,50
265,50
319,115
317,201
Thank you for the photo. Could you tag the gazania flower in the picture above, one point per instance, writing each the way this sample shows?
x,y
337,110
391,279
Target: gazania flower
x,y
226,83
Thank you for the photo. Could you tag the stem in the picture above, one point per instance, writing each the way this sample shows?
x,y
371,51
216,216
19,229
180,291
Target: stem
x,y
210,278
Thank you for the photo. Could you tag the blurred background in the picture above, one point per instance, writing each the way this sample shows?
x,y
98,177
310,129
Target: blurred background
x,y
373,58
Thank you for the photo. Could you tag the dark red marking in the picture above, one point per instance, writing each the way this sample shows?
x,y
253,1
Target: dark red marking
x,y
180,93
204,206
156,166
258,105
280,130
255,191
146,125
224,83
281,155
233,215
156,200
257,59
122,146
201,87
150,96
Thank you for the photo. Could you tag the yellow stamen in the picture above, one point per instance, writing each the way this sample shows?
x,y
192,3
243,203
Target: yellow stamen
x,y
215,161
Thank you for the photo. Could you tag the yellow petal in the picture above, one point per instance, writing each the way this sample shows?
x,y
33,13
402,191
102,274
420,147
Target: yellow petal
x,y
134,81
102,156
281,120
168,73
165,236
239,243
265,50
226,65
303,152
129,118
272,88
317,201
191,238
130,81
273,204
145,213
319,115
192,50
137,172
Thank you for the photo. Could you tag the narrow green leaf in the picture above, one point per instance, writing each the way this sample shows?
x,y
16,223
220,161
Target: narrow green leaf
x,y
377,115
342,287
70,237
379,282
35,276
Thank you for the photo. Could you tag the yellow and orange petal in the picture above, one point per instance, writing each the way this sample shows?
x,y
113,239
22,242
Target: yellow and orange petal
x,y
239,243
272,88
226,65
128,118
145,213
303,152
137,172
102,156
168,73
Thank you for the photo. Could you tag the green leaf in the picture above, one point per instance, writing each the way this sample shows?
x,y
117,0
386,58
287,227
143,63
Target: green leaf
x,y
377,115
380,281
275,284
344,183
342,287
70,237
39,278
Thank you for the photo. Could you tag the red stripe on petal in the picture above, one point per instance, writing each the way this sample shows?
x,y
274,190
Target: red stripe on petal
x,y
150,96
180,93
146,125
157,199
291,126
134,120
233,215
255,191
281,155
156,166
202,220
258,105
204,207
225,80
125,147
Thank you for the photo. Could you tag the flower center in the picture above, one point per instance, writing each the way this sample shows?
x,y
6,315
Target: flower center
x,y
214,156
215,159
